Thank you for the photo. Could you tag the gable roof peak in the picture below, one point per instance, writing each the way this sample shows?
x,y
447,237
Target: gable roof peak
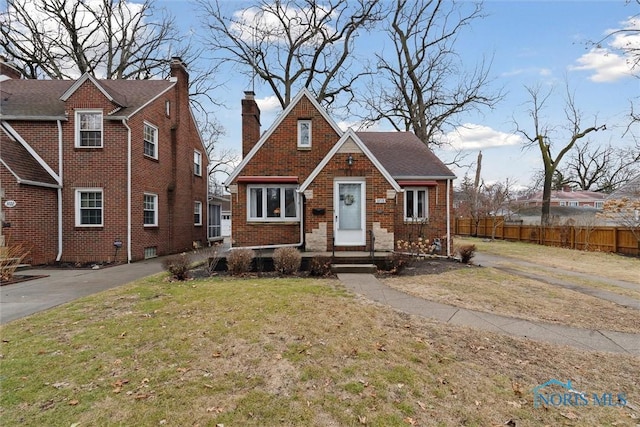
x,y
86,76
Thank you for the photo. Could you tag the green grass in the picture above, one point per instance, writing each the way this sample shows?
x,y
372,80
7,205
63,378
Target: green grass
x,y
268,352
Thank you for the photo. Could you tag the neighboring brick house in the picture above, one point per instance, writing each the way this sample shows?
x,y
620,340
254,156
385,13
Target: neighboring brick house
x,y
307,183
101,170
567,197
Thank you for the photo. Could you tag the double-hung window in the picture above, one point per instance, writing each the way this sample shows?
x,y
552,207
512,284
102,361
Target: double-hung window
x,y
272,203
197,163
197,213
415,205
89,128
150,136
150,209
89,207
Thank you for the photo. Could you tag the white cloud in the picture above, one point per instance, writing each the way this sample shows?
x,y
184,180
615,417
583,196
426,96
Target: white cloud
x,y
270,104
606,65
611,63
266,23
543,72
473,136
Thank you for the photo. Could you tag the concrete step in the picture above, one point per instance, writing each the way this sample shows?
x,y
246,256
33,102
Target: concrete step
x,y
354,268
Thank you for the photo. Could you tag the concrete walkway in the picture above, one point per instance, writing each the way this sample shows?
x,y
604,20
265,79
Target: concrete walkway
x,y
370,287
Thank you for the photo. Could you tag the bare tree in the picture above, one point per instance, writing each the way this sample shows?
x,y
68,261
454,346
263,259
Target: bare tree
x,y
221,160
625,39
601,168
290,44
543,136
494,201
421,86
106,38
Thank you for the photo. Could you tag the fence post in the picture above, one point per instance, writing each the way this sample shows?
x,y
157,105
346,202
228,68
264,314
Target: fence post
x,y
615,240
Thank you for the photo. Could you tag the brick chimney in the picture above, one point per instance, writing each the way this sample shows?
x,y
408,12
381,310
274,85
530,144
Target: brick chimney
x,y
179,71
250,122
9,69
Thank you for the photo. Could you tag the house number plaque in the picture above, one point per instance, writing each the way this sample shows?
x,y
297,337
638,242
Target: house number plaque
x,y
381,201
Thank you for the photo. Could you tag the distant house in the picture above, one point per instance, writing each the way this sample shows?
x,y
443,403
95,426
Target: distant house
x,y
567,197
306,183
219,218
98,170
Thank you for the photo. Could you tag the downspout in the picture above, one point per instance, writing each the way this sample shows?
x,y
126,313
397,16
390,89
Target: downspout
x,y
449,217
60,162
124,122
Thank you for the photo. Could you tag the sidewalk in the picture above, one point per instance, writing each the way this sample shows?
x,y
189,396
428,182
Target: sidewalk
x,y
370,287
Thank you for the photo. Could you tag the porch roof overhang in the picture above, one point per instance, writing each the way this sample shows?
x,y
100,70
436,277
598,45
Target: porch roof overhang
x,y
269,179
417,183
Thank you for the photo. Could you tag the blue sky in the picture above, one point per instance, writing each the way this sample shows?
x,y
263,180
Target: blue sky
x,y
531,43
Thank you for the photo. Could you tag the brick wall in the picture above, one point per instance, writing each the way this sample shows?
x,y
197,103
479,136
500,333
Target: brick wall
x,y
171,177
34,219
437,224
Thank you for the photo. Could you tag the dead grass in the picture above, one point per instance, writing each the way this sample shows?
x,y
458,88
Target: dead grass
x,y
498,292
608,265
291,352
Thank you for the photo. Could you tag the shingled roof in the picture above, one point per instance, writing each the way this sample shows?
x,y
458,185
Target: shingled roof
x,y
403,155
27,99
26,168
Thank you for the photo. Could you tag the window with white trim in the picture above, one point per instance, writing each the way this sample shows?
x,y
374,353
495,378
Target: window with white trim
x,y
197,213
89,128
415,204
150,136
197,163
574,203
272,203
89,207
304,133
598,205
150,209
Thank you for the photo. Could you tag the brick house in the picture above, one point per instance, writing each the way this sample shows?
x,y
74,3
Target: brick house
x,y
101,170
306,183
567,197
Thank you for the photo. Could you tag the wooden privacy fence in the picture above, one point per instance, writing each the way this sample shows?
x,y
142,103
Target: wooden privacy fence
x,y
592,238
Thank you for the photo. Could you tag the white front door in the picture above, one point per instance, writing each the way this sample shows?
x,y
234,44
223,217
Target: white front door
x,y
350,212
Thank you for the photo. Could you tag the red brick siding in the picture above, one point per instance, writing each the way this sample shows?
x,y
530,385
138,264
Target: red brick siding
x,y
171,177
437,224
33,220
376,187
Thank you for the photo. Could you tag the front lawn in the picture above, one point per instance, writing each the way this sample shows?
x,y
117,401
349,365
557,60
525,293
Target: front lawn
x,y
268,351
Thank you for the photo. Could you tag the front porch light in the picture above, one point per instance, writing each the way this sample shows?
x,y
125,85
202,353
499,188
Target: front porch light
x,y
350,160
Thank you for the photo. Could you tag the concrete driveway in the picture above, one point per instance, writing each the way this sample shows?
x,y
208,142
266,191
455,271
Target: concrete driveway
x,y
63,285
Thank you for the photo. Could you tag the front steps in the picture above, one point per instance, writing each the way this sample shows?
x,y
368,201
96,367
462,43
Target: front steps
x,y
354,268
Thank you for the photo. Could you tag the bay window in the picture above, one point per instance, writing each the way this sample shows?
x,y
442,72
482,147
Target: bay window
x,y
272,203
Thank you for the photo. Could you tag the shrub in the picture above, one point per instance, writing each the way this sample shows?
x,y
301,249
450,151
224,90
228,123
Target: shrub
x,y
466,252
212,255
397,262
239,260
178,266
320,266
11,257
287,260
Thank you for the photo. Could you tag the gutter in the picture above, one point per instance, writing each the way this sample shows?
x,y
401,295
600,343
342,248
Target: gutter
x,y
60,163
126,125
